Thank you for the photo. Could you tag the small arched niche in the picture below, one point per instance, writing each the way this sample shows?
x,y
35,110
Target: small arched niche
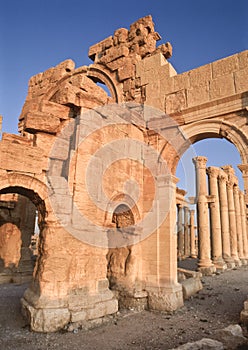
x,y
123,216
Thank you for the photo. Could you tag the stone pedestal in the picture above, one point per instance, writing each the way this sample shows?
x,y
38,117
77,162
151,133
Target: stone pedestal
x,y
67,287
205,264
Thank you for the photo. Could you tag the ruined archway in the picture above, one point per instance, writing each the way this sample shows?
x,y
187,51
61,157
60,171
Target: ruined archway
x,y
26,204
219,128
17,233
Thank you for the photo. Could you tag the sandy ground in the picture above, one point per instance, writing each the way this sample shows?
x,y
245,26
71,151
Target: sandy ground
x,y
215,307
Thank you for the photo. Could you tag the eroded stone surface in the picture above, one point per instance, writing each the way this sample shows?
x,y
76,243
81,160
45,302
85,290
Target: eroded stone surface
x,y
60,136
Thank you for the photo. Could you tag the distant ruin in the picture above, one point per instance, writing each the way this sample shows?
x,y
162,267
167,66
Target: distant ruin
x,y
99,169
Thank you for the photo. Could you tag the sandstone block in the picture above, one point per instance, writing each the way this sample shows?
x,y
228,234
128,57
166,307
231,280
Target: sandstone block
x,y
22,158
67,65
225,66
198,95
41,122
127,71
243,59
102,309
45,320
120,36
181,81
200,76
99,47
114,65
191,286
57,110
16,139
82,301
78,316
241,81
114,53
222,86
55,268
175,102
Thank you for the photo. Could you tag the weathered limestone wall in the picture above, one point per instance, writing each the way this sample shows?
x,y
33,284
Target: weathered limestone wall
x,y
60,161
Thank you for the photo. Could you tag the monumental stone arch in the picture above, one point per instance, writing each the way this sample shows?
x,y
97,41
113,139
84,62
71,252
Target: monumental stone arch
x,y
81,154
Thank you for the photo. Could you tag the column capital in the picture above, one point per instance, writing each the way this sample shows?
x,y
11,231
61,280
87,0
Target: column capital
x,y
230,184
228,169
243,168
223,177
213,171
200,161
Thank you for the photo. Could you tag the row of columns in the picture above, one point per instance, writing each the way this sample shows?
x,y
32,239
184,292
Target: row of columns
x,y
221,216
186,232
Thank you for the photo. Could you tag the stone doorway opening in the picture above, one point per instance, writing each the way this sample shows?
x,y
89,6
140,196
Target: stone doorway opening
x,y
20,223
119,259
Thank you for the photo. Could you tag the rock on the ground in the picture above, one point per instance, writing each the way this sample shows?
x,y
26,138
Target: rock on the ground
x,y
203,344
231,336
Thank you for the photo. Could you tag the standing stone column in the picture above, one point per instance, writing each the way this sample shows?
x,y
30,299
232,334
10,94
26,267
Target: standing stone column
x,y
232,217
205,264
224,217
215,223
186,233
238,223
244,226
244,169
192,234
180,231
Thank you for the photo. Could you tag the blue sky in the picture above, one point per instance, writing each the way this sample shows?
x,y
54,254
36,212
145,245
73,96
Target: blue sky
x,y
38,34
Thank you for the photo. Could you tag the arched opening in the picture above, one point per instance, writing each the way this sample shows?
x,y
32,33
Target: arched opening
x,y
219,152
118,259
104,87
22,215
123,216
105,77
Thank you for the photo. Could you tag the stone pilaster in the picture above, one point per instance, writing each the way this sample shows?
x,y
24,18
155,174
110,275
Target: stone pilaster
x,y
180,234
224,217
232,215
192,234
164,291
215,222
205,264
